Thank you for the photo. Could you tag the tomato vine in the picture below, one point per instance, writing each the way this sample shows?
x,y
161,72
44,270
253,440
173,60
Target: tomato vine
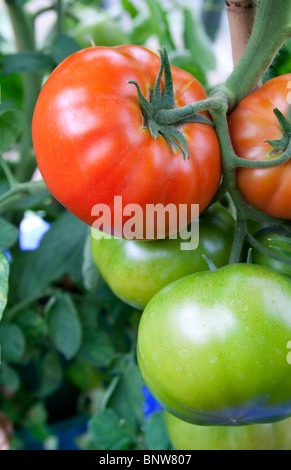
x,y
223,100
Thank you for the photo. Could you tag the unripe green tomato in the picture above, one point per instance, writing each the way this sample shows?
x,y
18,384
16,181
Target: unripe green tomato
x,y
213,347
135,271
102,30
271,436
270,241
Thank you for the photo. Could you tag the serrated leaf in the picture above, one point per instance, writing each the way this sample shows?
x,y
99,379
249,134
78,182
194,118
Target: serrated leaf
x,y
12,343
107,432
65,328
8,234
63,47
12,122
60,252
156,434
4,275
26,61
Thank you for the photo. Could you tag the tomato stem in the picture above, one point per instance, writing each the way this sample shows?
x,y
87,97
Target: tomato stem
x,y
266,251
24,35
271,29
239,238
19,191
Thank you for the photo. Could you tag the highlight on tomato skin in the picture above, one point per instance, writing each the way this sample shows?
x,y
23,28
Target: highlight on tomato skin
x,y
91,144
251,124
221,337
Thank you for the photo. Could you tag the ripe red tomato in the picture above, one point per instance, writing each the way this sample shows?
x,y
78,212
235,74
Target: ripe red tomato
x,y
91,143
252,122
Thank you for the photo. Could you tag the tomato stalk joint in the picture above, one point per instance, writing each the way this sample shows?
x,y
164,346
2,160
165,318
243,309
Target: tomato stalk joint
x,y
159,115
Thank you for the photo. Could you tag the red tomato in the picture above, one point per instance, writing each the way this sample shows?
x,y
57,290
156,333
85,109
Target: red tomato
x,y
252,122
91,143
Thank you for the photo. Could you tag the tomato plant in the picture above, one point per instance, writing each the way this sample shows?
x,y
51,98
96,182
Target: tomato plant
x,y
225,353
278,244
251,124
271,436
110,122
88,119
136,271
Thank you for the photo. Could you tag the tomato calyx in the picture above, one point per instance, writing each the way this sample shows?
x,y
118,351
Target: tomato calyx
x,y
284,144
159,102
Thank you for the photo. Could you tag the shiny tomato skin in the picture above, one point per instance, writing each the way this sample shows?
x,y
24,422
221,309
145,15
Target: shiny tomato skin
x,y
252,122
272,241
271,436
137,270
212,347
91,145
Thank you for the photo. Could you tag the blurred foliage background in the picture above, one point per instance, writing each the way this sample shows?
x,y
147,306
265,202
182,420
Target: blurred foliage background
x,y
68,374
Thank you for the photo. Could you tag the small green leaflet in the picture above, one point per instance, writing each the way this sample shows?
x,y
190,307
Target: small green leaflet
x,y
12,123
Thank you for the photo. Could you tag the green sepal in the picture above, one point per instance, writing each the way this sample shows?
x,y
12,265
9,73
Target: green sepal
x,y
160,101
281,144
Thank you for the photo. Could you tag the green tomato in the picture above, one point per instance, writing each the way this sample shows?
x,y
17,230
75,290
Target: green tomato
x,y
271,436
102,30
271,241
135,271
212,347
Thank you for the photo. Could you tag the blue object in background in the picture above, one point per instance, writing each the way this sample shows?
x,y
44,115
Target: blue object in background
x,y
31,230
150,405
8,255
66,433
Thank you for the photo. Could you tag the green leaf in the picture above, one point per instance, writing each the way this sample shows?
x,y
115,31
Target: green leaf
x,y
31,323
160,24
197,42
4,274
83,376
127,398
108,432
63,47
64,326
51,374
130,8
12,122
12,343
11,90
8,234
156,432
9,378
211,16
91,276
26,61
59,253
97,350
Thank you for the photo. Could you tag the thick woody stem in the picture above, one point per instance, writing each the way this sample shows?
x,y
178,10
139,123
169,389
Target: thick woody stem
x,y
241,16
